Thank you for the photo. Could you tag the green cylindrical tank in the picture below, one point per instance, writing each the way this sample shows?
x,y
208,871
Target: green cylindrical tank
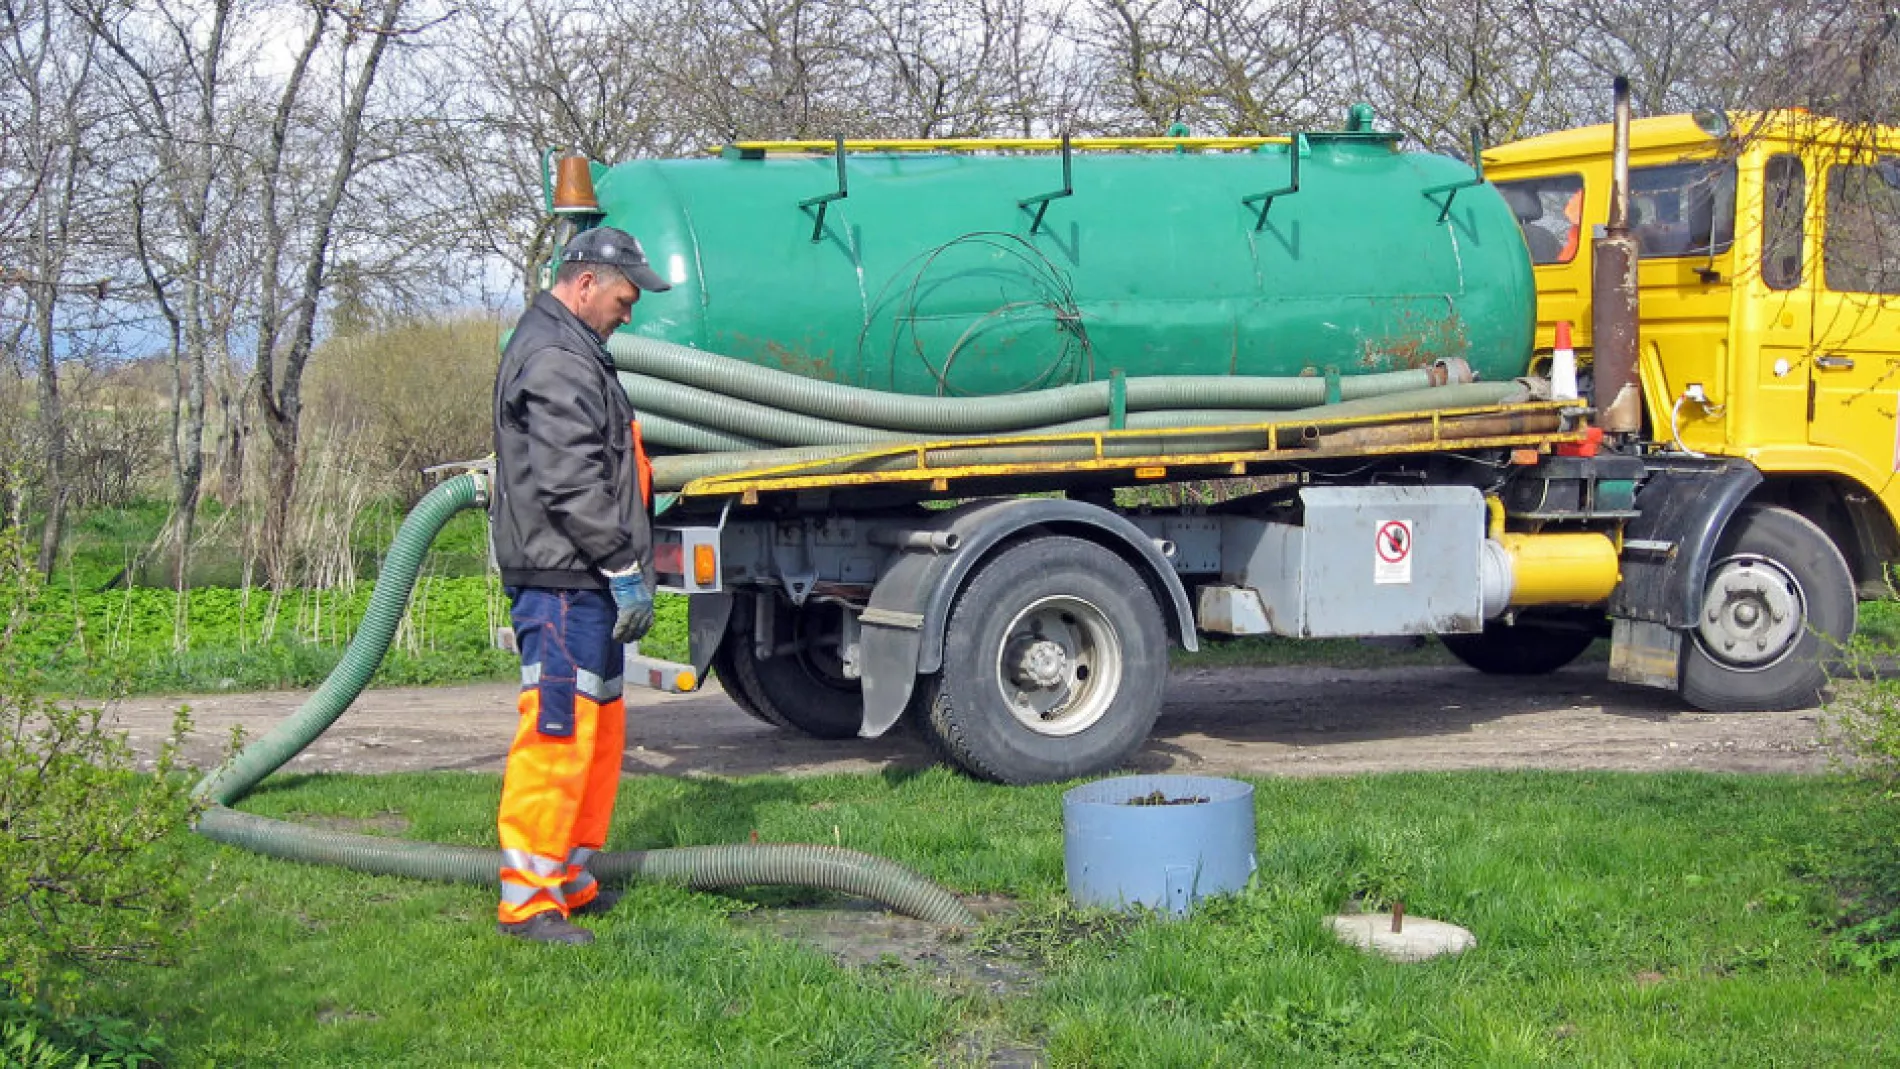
x,y
927,277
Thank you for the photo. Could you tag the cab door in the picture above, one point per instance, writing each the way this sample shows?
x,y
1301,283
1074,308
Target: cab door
x,y
1774,317
1682,215
1854,373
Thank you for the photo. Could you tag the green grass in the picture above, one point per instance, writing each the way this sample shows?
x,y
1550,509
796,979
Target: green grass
x,y
120,641
1622,920
105,546
1879,623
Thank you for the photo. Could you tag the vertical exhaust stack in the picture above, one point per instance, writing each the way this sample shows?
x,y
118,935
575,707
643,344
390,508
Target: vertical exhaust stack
x,y
1617,392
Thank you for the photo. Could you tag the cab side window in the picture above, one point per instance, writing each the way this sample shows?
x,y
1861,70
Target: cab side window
x,y
1550,211
1860,250
1682,209
1784,206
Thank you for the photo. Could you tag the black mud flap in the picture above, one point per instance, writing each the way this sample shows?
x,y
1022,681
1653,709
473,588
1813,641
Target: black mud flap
x,y
1684,506
706,618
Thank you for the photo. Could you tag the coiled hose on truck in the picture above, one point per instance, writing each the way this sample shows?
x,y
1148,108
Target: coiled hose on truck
x,y
697,867
725,415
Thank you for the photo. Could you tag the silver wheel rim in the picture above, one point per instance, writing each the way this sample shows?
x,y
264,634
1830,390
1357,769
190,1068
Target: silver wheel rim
x,y
1753,613
1059,665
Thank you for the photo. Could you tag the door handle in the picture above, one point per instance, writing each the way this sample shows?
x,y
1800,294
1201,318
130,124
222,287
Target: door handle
x,y
1834,363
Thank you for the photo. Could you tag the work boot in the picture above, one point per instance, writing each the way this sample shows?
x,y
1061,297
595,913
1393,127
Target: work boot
x,y
600,903
548,927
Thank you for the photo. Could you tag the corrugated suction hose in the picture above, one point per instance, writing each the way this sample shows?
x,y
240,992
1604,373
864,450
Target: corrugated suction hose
x,y
674,472
680,387
698,867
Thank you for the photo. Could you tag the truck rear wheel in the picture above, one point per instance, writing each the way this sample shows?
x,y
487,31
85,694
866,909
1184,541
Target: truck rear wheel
x,y
1526,648
1053,667
803,687
734,686
1777,602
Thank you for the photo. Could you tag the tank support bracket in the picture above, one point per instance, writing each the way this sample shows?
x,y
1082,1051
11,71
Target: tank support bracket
x,y
1450,189
824,201
1041,200
1265,200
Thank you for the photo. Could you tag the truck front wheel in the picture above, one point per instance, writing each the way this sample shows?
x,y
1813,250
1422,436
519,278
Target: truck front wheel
x,y
1778,601
1054,664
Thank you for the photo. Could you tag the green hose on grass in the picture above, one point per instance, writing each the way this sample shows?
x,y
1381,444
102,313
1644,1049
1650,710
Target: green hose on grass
x,y
697,867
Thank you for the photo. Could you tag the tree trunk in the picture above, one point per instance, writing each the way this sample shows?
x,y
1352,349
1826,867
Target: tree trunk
x,y
188,458
280,493
232,410
52,413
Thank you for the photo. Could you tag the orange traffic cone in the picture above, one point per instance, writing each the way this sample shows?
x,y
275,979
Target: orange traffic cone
x,y
1563,365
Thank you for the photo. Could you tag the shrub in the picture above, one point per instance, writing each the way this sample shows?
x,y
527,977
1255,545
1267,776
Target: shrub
x,y
83,878
1864,724
409,395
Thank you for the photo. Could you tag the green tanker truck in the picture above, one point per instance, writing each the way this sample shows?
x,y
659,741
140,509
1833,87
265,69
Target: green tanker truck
x,y
911,395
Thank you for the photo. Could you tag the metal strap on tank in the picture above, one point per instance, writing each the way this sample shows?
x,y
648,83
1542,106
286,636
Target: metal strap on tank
x,y
823,202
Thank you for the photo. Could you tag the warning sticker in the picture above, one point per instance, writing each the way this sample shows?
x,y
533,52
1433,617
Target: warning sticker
x,y
1392,553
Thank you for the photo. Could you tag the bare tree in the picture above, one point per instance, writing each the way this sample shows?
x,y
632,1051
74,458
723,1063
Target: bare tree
x,y
940,68
1235,68
1437,70
756,69
169,69
517,79
297,257
45,64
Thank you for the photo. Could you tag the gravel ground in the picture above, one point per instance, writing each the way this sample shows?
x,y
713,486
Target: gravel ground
x,y
1268,721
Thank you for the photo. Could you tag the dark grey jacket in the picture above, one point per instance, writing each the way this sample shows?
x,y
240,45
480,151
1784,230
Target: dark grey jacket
x,y
567,500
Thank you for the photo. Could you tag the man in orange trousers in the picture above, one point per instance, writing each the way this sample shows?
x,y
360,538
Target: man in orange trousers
x,y
572,528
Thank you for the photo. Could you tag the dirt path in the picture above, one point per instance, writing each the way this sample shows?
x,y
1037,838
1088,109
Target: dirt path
x,y
1269,721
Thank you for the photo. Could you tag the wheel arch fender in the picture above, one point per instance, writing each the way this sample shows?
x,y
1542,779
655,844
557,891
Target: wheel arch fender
x,y
1667,549
909,612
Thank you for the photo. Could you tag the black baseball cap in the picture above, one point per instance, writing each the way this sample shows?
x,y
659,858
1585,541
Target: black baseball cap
x,y
617,249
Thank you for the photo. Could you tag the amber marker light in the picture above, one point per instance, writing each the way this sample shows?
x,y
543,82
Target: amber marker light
x,y
705,565
574,186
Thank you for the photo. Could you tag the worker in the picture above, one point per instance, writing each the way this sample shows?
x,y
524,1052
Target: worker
x,y
573,539
1573,227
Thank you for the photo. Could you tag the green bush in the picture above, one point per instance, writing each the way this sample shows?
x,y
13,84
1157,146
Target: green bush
x,y
1864,723
83,879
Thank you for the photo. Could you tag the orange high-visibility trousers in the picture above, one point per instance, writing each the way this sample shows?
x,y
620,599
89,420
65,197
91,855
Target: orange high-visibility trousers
x,y
557,797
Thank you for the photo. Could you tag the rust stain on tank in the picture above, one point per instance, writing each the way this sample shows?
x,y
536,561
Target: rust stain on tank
x,y
797,361
1419,342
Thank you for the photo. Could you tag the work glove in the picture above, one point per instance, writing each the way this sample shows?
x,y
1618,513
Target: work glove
x,y
635,604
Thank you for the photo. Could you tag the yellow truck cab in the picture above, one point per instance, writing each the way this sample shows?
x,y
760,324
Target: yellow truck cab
x,y
1768,275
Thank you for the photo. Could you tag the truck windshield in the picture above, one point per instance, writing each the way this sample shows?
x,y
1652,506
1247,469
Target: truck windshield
x,y
1683,209
1549,211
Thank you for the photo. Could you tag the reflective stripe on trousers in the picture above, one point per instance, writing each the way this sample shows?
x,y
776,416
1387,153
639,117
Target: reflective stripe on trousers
x,y
557,797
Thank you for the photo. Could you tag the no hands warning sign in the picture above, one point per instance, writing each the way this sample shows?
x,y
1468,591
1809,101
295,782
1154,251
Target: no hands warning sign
x,y
1392,552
